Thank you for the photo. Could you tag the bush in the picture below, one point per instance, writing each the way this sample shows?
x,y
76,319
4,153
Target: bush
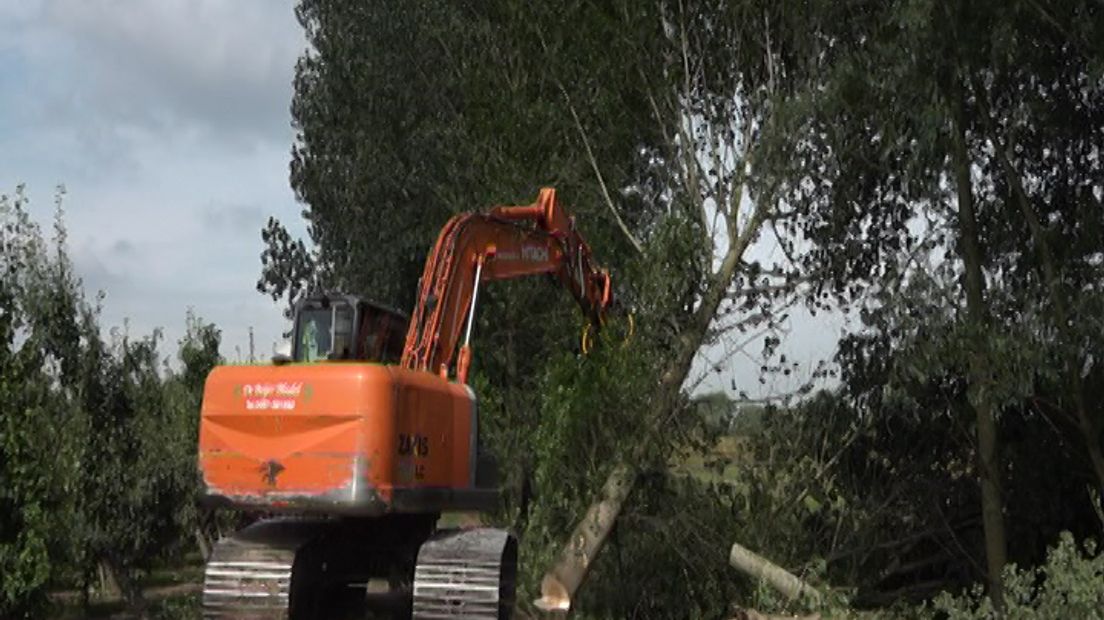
x,y
1069,585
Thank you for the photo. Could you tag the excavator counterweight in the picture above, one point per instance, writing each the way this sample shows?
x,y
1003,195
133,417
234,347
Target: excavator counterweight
x,y
354,444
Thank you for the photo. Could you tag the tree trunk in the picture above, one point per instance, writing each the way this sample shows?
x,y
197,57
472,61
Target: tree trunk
x,y
86,591
988,467
109,585
761,569
128,588
558,586
202,542
1090,430
562,581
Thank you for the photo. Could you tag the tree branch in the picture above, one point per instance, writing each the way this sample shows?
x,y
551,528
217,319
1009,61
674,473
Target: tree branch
x,y
598,173
593,161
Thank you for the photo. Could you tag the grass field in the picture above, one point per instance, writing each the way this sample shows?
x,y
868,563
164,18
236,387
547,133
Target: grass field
x,y
172,592
719,464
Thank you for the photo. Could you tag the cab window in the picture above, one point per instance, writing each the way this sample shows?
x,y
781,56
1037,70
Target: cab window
x,y
347,329
343,332
314,331
382,335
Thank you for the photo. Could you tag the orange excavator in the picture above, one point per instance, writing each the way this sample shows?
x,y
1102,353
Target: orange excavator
x,y
353,446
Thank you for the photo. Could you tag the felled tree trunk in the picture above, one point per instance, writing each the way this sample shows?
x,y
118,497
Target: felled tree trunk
x,y
559,584
563,579
761,569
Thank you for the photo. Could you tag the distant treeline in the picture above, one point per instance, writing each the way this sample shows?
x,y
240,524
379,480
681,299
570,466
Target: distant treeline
x,y
97,435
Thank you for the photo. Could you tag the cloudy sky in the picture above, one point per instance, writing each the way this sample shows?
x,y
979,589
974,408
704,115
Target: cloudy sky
x,y
168,124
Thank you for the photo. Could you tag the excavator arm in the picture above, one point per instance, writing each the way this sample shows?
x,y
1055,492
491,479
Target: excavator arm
x,y
503,243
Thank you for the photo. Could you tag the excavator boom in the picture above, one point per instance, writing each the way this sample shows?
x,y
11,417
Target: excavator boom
x,y
505,242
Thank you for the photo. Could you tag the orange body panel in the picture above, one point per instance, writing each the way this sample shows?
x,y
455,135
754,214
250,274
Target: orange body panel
x,y
353,438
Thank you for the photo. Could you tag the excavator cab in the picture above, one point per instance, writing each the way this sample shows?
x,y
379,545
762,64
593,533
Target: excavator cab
x,y
331,327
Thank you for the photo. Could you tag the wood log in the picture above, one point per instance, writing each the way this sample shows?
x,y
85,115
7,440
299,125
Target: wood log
x,y
761,569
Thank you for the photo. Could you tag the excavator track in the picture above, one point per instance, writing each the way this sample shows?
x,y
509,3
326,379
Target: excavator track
x,y
297,568
466,574
249,574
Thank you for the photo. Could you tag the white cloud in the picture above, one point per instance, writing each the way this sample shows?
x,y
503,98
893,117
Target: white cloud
x,y
222,66
168,122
